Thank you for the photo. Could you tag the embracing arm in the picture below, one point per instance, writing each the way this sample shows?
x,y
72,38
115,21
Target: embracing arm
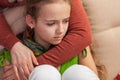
x,y
21,55
78,37
7,38
10,3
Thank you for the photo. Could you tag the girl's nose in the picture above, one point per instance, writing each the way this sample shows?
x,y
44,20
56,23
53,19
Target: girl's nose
x,y
60,29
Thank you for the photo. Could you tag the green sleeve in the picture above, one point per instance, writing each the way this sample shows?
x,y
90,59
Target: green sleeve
x,y
5,55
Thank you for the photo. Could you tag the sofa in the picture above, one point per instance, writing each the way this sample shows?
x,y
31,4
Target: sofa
x,y
104,17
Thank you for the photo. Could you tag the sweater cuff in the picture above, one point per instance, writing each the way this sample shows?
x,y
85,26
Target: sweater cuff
x,y
10,41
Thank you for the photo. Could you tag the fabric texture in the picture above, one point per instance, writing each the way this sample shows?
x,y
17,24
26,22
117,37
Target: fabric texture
x,y
104,16
79,72
45,72
75,72
5,3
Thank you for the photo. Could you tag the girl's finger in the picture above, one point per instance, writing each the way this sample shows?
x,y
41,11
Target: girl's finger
x,y
11,77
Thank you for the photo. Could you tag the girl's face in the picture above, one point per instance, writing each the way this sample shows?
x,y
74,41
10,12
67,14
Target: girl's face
x,y
52,23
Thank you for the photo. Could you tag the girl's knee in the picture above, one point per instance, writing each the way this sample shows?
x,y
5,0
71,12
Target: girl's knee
x,y
45,72
79,72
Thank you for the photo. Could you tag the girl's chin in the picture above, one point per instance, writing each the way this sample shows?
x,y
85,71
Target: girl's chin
x,y
57,42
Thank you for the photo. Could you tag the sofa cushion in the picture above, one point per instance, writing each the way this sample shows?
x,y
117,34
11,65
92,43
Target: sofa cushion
x,y
104,16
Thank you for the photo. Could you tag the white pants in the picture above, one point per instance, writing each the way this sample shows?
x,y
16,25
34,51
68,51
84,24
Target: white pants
x,y
75,72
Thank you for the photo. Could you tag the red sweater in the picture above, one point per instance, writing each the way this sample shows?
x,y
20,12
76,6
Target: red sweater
x,y
78,37
5,3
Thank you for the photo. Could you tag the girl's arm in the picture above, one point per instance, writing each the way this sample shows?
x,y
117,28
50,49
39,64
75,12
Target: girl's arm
x,y
88,60
10,73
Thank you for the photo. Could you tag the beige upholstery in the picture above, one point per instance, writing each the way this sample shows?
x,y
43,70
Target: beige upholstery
x,y
104,16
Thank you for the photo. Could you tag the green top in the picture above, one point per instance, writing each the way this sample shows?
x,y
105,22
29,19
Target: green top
x,y
4,55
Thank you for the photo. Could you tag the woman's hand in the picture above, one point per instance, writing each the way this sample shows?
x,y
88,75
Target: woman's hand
x,y
23,58
10,73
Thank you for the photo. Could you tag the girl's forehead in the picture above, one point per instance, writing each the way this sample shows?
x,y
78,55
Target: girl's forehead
x,y
54,11
51,5
42,3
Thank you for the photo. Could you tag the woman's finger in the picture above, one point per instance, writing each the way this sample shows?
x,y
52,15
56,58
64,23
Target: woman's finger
x,y
34,60
16,73
30,65
26,70
22,74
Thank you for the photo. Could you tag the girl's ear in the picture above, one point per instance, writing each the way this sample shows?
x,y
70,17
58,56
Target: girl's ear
x,y
30,21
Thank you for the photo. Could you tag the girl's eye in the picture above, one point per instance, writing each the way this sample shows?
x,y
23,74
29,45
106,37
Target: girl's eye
x,y
66,21
50,24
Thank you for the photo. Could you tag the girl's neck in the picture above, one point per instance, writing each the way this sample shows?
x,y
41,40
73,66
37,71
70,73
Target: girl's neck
x,y
43,44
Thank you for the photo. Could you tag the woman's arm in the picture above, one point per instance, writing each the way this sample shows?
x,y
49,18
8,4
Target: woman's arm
x,y
7,38
78,37
21,55
11,3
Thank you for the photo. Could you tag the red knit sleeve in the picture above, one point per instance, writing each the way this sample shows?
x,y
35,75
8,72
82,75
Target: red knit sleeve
x,y
78,37
5,3
7,39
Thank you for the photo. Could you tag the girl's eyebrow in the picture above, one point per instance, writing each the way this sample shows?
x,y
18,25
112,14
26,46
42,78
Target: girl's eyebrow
x,y
67,18
48,20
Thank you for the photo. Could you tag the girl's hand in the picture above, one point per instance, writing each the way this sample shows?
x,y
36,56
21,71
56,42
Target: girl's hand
x,y
10,73
23,58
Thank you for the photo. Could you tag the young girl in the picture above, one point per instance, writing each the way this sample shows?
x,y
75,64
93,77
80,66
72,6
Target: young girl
x,y
48,23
